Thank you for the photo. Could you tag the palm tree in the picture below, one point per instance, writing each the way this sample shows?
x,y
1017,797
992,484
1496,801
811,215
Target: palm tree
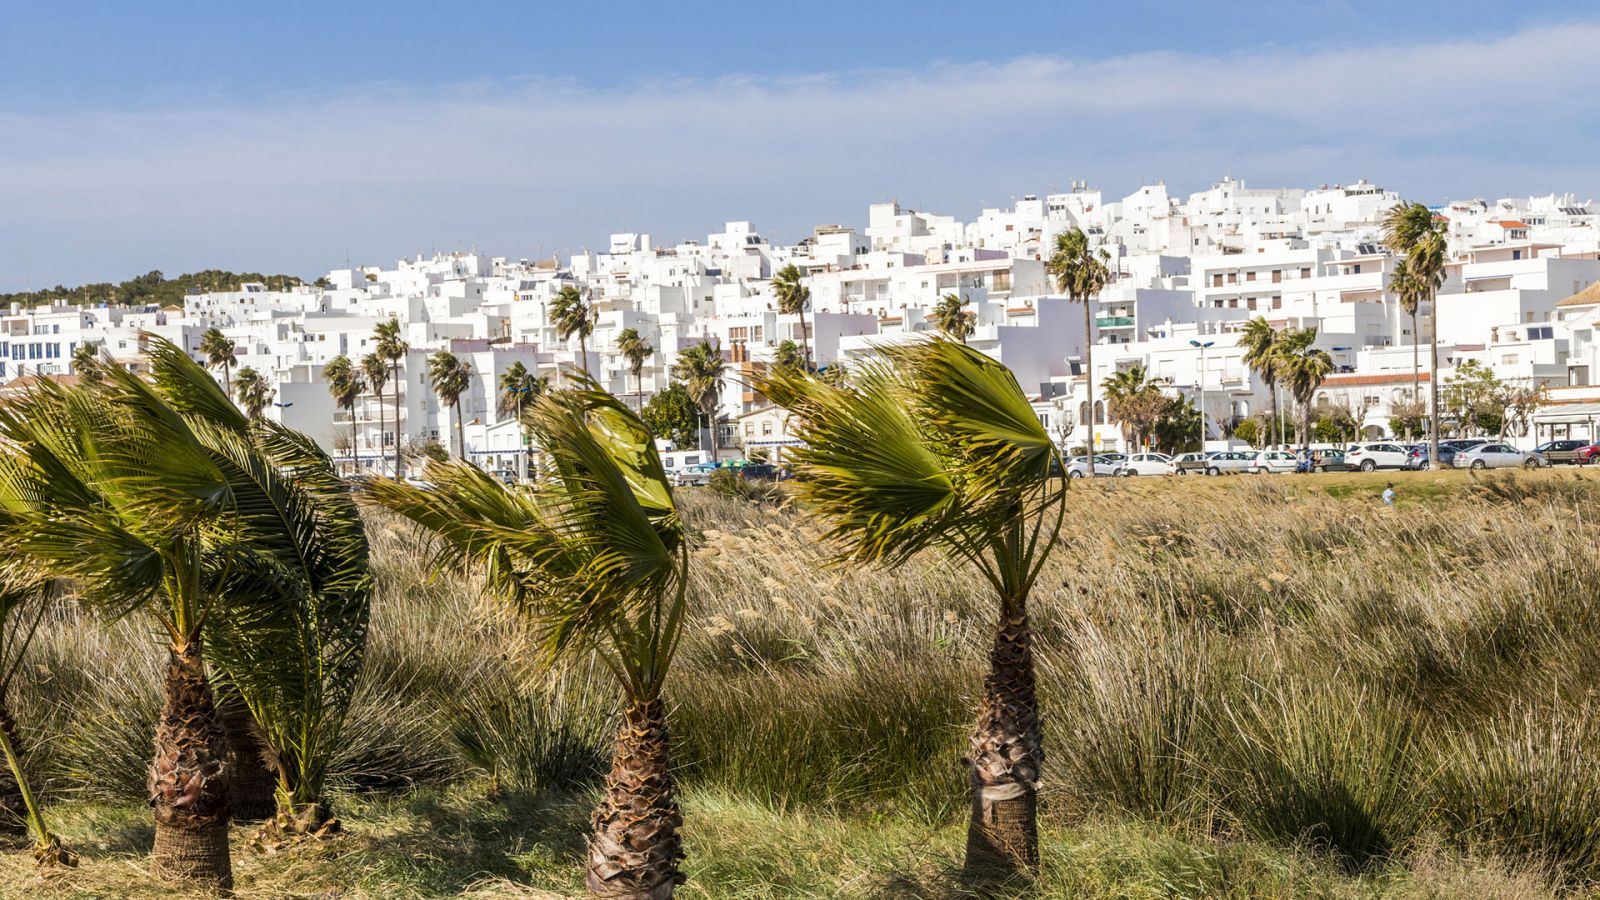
x,y
253,392
86,362
346,387
952,319
599,560
219,350
573,314
518,389
1303,368
1410,291
1135,401
635,349
938,447
391,347
700,368
787,356
1413,229
793,297
450,377
1260,342
375,371
1081,273
21,593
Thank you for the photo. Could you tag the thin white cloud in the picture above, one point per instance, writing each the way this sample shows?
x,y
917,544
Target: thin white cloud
x,y
545,165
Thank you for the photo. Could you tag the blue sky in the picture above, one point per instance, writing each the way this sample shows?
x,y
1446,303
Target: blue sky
x,y
284,136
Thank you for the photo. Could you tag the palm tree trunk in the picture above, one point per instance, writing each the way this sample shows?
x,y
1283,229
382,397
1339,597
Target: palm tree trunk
x,y
252,782
583,353
1277,424
1088,368
805,344
189,779
461,435
635,847
1416,365
1007,755
1433,386
355,455
397,471
380,432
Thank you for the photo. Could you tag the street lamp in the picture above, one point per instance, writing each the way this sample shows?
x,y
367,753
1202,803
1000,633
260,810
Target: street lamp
x,y
1201,381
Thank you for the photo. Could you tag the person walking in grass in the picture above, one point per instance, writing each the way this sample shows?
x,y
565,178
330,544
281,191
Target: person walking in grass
x,y
1388,495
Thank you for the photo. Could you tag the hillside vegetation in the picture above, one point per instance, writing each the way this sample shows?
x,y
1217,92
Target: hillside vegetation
x,y
1253,686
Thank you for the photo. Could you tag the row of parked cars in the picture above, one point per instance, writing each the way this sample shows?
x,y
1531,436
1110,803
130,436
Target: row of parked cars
x,y
1468,453
700,473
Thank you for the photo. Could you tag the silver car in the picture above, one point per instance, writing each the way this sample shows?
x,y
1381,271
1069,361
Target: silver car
x,y
1496,456
1229,461
1104,467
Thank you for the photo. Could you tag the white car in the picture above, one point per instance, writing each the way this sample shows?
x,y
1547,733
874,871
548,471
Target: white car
x,y
1144,464
1223,462
1104,467
1495,456
1367,457
1273,461
695,475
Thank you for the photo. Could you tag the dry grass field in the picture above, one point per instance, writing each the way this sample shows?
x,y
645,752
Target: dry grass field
x,y
1253,686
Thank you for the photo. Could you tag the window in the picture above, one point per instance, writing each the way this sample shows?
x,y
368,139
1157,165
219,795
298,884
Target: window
x,y
766,427
1249,276
1305,271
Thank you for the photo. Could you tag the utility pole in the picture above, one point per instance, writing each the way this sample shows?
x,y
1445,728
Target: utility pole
x,y
1201,381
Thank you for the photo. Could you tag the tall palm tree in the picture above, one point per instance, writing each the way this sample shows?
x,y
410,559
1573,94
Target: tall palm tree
x,y
1081,273
1303,368
573,314
701,368
1260,342
253,392
375,371
938,447
1409,290
793,297
450,376
518,389
21,605
219,351
950,316
393,348
635,349
599,560
346,387
787,356
1413,229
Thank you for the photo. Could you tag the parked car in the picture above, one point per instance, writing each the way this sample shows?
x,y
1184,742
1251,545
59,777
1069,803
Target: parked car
x,y
1496,456
1224,462
1324,461
1565,453
758,472
1104,466
697,474
1273,461
1188,464
1145,464
1368,457
1447,452
1588,454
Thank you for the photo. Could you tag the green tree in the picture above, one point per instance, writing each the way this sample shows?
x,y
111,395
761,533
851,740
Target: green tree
x,y
1248,431
952,319
1178,429
600,560
375,372
701,368
1135,401
1413,230
572,313
518,389
393,349
793,297
1260,343
346,387
86,362
253,392
939,447
1410,290
1081,273
787,355
219,351
450,376
1303,368
671,415
635,349
167,501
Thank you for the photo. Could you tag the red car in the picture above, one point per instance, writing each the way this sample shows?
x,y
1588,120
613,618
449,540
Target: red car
x,y
1588,454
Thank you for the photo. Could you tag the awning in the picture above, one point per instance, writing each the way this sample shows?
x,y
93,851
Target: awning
x,y
1568,412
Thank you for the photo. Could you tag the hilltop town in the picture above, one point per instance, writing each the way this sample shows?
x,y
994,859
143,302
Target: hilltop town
x,y
1520,299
